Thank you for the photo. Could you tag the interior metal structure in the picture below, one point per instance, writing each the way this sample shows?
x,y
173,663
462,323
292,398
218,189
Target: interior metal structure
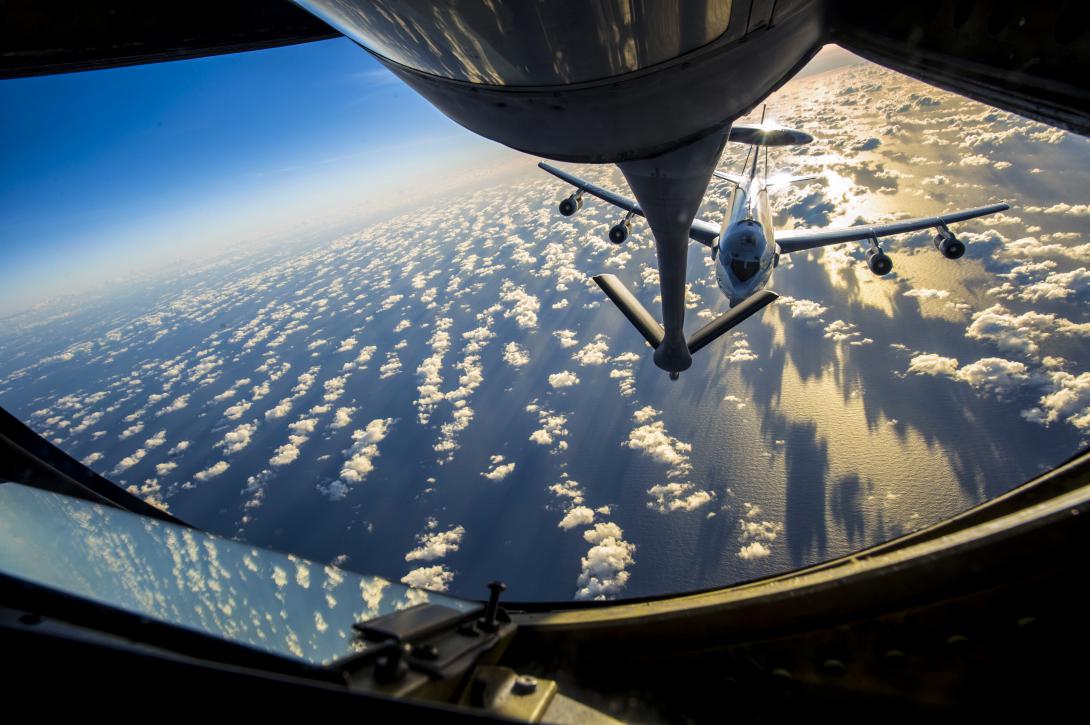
x,y
982,614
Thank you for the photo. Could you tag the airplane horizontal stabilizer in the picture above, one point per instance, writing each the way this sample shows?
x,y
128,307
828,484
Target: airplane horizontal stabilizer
x,y
783,180
636,313
730,319
735,179
768,134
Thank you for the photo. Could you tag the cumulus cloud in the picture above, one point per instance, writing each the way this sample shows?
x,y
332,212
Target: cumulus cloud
x,y
1061,208
569,490
364,449
391,367
523,306
1020,333
1030,247
342,417
623,373
552,431
932,364
753,550
563,379
303,426
926,293
237,439
604,572
666,497
594,353
284,455
362,358
279,410
740,351
653,441
334,388
1068,400
842,331
1055,286
129,461
436,578
175,405
566,338
430,371
237,410
755,537
804,309
577,516
992,374
498,470
433,544
212,471
515,355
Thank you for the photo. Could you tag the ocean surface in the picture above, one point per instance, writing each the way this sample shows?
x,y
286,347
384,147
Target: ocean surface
x,y
444,398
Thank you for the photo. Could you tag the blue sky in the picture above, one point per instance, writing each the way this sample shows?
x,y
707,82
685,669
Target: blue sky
x,y
106,172
109,173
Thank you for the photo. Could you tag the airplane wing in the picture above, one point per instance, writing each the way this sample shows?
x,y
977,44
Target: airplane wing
x,y
701,231
773,182
797,240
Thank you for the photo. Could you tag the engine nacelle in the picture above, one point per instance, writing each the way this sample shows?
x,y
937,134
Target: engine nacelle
x,y
950,246
620,232
879,262
571,205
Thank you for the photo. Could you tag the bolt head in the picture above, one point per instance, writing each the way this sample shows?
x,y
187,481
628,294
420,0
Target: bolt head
x,y
524,685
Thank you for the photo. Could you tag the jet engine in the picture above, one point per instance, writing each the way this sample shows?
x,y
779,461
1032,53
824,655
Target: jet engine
x,y
620,232
571,205
879,262
950,246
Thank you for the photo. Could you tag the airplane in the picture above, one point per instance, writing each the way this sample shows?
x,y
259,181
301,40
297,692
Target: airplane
x,y
744,246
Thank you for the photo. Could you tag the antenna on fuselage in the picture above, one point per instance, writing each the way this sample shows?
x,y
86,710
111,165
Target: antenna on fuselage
x,y
745,162
764,109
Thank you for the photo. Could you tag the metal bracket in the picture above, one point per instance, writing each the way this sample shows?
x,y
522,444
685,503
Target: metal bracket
x,y
427,646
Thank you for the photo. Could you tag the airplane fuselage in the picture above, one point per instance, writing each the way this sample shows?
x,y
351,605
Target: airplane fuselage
x,y
746,252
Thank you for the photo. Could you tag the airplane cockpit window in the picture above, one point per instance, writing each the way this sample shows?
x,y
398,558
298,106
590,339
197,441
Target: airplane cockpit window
x,y
275,603
744,269
280,295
